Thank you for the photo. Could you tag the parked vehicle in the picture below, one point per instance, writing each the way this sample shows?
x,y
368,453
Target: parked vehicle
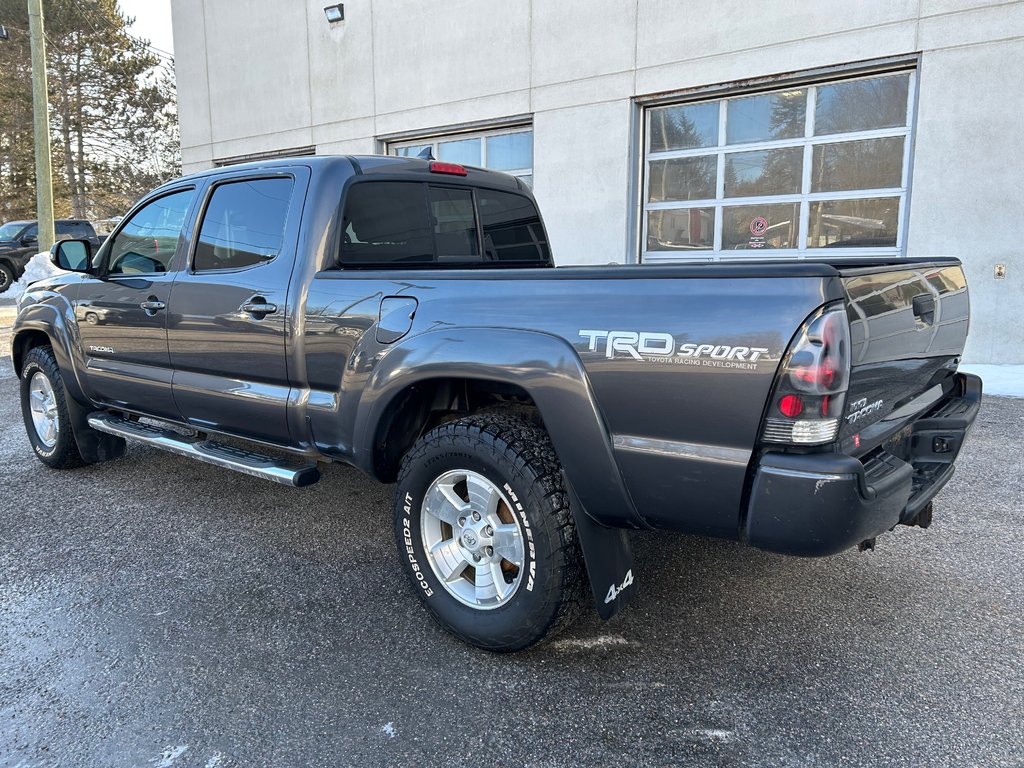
x,y
19,242
404,316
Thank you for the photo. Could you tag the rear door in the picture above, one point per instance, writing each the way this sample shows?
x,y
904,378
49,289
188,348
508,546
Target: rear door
x,y
122,314
908,329
228,319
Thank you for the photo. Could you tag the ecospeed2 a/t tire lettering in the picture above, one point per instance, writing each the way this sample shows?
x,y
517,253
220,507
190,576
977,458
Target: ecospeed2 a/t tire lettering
x,y
485,533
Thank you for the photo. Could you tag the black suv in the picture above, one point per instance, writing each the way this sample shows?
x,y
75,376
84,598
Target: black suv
x,y
19,242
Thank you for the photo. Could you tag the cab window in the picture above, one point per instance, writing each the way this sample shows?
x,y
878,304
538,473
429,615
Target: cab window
x,y
244,224
146,244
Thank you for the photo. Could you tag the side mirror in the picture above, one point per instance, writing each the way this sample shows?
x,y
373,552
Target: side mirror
x,y
29,240
71,255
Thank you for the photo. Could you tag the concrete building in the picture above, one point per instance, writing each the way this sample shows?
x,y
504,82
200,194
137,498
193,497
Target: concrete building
x,y
656,130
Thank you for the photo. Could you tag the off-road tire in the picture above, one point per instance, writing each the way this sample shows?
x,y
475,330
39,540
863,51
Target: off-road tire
x,y
64,453
6,277
517,456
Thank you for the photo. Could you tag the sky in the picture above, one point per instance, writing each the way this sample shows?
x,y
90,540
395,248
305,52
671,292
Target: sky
x,y
152,21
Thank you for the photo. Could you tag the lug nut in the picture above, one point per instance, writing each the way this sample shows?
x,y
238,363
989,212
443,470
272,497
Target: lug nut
x,y
476,558
462,522
489,530
476,517
489,551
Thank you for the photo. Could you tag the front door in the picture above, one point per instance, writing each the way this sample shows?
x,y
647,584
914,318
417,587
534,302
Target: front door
x,y
122,314
228,318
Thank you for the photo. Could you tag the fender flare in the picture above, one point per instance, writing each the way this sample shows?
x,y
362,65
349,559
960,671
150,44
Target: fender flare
x,y
55,318
550,371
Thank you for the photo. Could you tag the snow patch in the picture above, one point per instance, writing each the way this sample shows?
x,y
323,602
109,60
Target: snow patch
x,y
604,642
39,267
169,755
716,735
1000,380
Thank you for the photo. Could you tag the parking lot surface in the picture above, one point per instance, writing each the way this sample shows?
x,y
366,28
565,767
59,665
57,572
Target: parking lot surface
x,y
160,612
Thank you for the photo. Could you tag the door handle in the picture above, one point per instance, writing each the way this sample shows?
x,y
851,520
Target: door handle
x,y
152,305
258,307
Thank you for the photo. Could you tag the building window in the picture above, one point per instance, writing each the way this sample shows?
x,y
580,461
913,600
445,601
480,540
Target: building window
x,y
509,150
797,172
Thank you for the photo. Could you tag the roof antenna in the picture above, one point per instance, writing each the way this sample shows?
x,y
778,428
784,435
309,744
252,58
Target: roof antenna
x,y
427,153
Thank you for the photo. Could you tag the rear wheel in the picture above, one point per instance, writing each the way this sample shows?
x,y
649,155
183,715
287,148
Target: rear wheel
x,y
44,408
485,533
6,277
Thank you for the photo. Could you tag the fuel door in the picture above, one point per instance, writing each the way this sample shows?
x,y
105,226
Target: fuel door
x,y
395,318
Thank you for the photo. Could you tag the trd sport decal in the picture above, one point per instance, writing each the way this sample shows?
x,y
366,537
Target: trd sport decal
x,y
661,347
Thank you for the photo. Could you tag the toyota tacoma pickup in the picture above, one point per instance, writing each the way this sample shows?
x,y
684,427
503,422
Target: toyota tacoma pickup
x,y
404,316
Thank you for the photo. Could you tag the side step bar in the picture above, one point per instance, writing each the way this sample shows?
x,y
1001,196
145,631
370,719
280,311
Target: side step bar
x,y
241,460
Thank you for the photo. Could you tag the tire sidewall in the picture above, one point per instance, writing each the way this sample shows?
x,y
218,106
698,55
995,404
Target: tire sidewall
x,y
534,602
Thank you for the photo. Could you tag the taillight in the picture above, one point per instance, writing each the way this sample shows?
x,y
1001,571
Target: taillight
x,y
807,404
452,168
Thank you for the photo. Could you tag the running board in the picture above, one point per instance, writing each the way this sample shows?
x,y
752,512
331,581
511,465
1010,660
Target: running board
x,y
242,460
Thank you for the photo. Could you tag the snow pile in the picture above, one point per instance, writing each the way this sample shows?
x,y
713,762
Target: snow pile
x,y
1004,380
38,268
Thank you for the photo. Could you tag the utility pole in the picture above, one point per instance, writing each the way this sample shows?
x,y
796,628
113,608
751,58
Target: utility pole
x,y
41,115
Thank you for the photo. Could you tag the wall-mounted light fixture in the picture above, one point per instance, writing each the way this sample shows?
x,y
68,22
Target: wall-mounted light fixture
x,y
335,13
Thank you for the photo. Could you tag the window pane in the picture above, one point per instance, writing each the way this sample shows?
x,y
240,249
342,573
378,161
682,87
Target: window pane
x,y
695,125
454,224
510,151
682,178
765,172
243,224
869,164
853,223
861,105
385,223
760,226
464,151
686,229
763,118
147,243
413,151
512,228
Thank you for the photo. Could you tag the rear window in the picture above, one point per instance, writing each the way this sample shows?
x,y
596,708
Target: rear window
x,y
402,224
76,229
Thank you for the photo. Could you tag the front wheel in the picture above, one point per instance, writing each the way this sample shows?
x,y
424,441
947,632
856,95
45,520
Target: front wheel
x,y
6,277
44,408
485,533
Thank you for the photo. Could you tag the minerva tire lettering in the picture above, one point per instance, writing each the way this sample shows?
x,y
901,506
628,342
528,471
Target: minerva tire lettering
x,y
516,456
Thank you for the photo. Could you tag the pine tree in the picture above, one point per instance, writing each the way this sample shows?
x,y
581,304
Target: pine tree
x,y
112,111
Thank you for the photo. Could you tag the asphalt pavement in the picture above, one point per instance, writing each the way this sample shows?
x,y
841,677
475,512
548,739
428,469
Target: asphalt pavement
x,y
159,612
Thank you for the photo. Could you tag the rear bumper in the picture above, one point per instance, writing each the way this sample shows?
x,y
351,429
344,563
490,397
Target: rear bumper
x,y
821,504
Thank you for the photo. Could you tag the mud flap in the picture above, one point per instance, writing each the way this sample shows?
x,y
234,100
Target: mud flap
x,y
609,559
93,446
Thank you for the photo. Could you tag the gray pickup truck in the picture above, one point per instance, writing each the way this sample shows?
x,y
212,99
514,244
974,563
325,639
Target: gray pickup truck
x,y
404,316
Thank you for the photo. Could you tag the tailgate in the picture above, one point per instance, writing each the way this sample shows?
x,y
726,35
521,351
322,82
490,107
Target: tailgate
x,y
908,326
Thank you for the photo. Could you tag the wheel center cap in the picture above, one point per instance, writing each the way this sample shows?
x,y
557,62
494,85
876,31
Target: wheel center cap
x,y
470,539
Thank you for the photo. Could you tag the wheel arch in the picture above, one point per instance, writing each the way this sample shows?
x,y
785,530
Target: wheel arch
x,y
524,369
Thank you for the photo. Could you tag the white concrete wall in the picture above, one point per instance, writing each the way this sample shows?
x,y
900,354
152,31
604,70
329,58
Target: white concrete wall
x,y
259,75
